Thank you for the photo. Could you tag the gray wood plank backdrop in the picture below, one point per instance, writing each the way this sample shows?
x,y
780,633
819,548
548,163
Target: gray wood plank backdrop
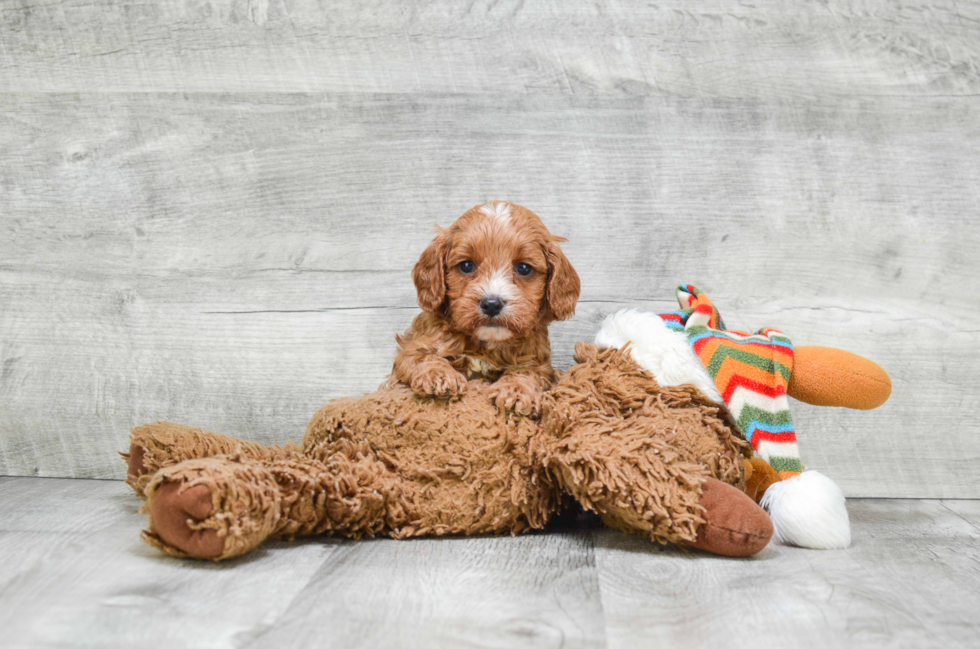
x,y
209,211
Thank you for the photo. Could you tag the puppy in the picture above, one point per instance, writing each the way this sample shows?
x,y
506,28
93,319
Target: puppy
x,y
488,285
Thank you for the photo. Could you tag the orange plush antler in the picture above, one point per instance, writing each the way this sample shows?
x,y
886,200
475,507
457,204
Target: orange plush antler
x,y
825,376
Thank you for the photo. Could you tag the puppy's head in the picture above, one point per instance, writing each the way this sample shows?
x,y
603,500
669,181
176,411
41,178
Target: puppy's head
x,y
496,273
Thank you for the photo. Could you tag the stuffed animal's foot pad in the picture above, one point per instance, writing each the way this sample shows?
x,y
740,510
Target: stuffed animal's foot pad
x,y
212,508
174,513
735,526
138,468
134,459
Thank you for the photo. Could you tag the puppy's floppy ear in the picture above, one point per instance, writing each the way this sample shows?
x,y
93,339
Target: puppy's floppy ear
x,y
429,273
563,283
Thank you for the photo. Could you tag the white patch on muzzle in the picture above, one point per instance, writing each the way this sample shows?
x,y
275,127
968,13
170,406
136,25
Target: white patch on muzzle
x,y
493,334
500,284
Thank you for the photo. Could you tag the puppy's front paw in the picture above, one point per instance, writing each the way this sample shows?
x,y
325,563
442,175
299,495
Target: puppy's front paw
x,y
438,380
517,394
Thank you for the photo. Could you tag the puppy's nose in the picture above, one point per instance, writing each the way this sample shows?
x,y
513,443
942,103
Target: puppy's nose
x,y
491,305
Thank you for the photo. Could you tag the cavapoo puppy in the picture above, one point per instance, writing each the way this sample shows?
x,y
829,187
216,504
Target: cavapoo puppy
x,y
488,285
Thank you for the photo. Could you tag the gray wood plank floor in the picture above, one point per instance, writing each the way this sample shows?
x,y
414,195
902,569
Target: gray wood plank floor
x,y
74,573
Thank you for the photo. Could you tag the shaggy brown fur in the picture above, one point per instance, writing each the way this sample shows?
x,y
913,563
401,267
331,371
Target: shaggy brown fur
x,y
498,250
461,467
633,451
392,463
163,444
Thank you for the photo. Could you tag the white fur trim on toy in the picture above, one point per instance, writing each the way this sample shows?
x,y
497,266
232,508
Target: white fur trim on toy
x,y
809,511
664,353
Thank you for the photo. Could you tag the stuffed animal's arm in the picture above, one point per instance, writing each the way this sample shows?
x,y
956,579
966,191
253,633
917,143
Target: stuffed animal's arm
x,y
824,376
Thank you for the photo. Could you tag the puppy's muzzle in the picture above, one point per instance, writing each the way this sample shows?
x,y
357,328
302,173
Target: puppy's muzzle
x,y
491,305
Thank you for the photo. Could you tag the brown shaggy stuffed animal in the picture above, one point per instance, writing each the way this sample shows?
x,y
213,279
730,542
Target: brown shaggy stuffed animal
x,y
661,462
484,457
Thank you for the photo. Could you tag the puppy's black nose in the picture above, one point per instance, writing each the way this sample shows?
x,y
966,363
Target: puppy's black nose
x,y
491,305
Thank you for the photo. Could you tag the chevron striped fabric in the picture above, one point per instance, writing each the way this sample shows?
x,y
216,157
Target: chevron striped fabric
x,y
751,372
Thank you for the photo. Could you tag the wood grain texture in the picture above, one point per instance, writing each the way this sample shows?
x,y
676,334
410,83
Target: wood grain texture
x,y
209,210
969,510
234,261
910,579
716,49
74,573
531,591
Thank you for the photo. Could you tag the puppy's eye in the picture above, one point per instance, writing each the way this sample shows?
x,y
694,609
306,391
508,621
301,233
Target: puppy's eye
x,y
523,269
466,267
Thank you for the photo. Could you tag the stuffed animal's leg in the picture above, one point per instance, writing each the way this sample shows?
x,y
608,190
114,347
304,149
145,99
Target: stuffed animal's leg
x,y
734,525
211,508
154,446
678,504
641,484
651,460
221,507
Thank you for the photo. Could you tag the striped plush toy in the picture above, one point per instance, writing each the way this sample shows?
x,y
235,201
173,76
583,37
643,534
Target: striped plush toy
x,y
751,375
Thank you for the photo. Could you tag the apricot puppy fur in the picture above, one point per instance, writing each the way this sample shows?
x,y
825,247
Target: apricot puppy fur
x,y
489,285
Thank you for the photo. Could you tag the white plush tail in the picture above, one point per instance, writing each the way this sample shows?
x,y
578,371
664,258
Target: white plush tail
x,y
809,511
